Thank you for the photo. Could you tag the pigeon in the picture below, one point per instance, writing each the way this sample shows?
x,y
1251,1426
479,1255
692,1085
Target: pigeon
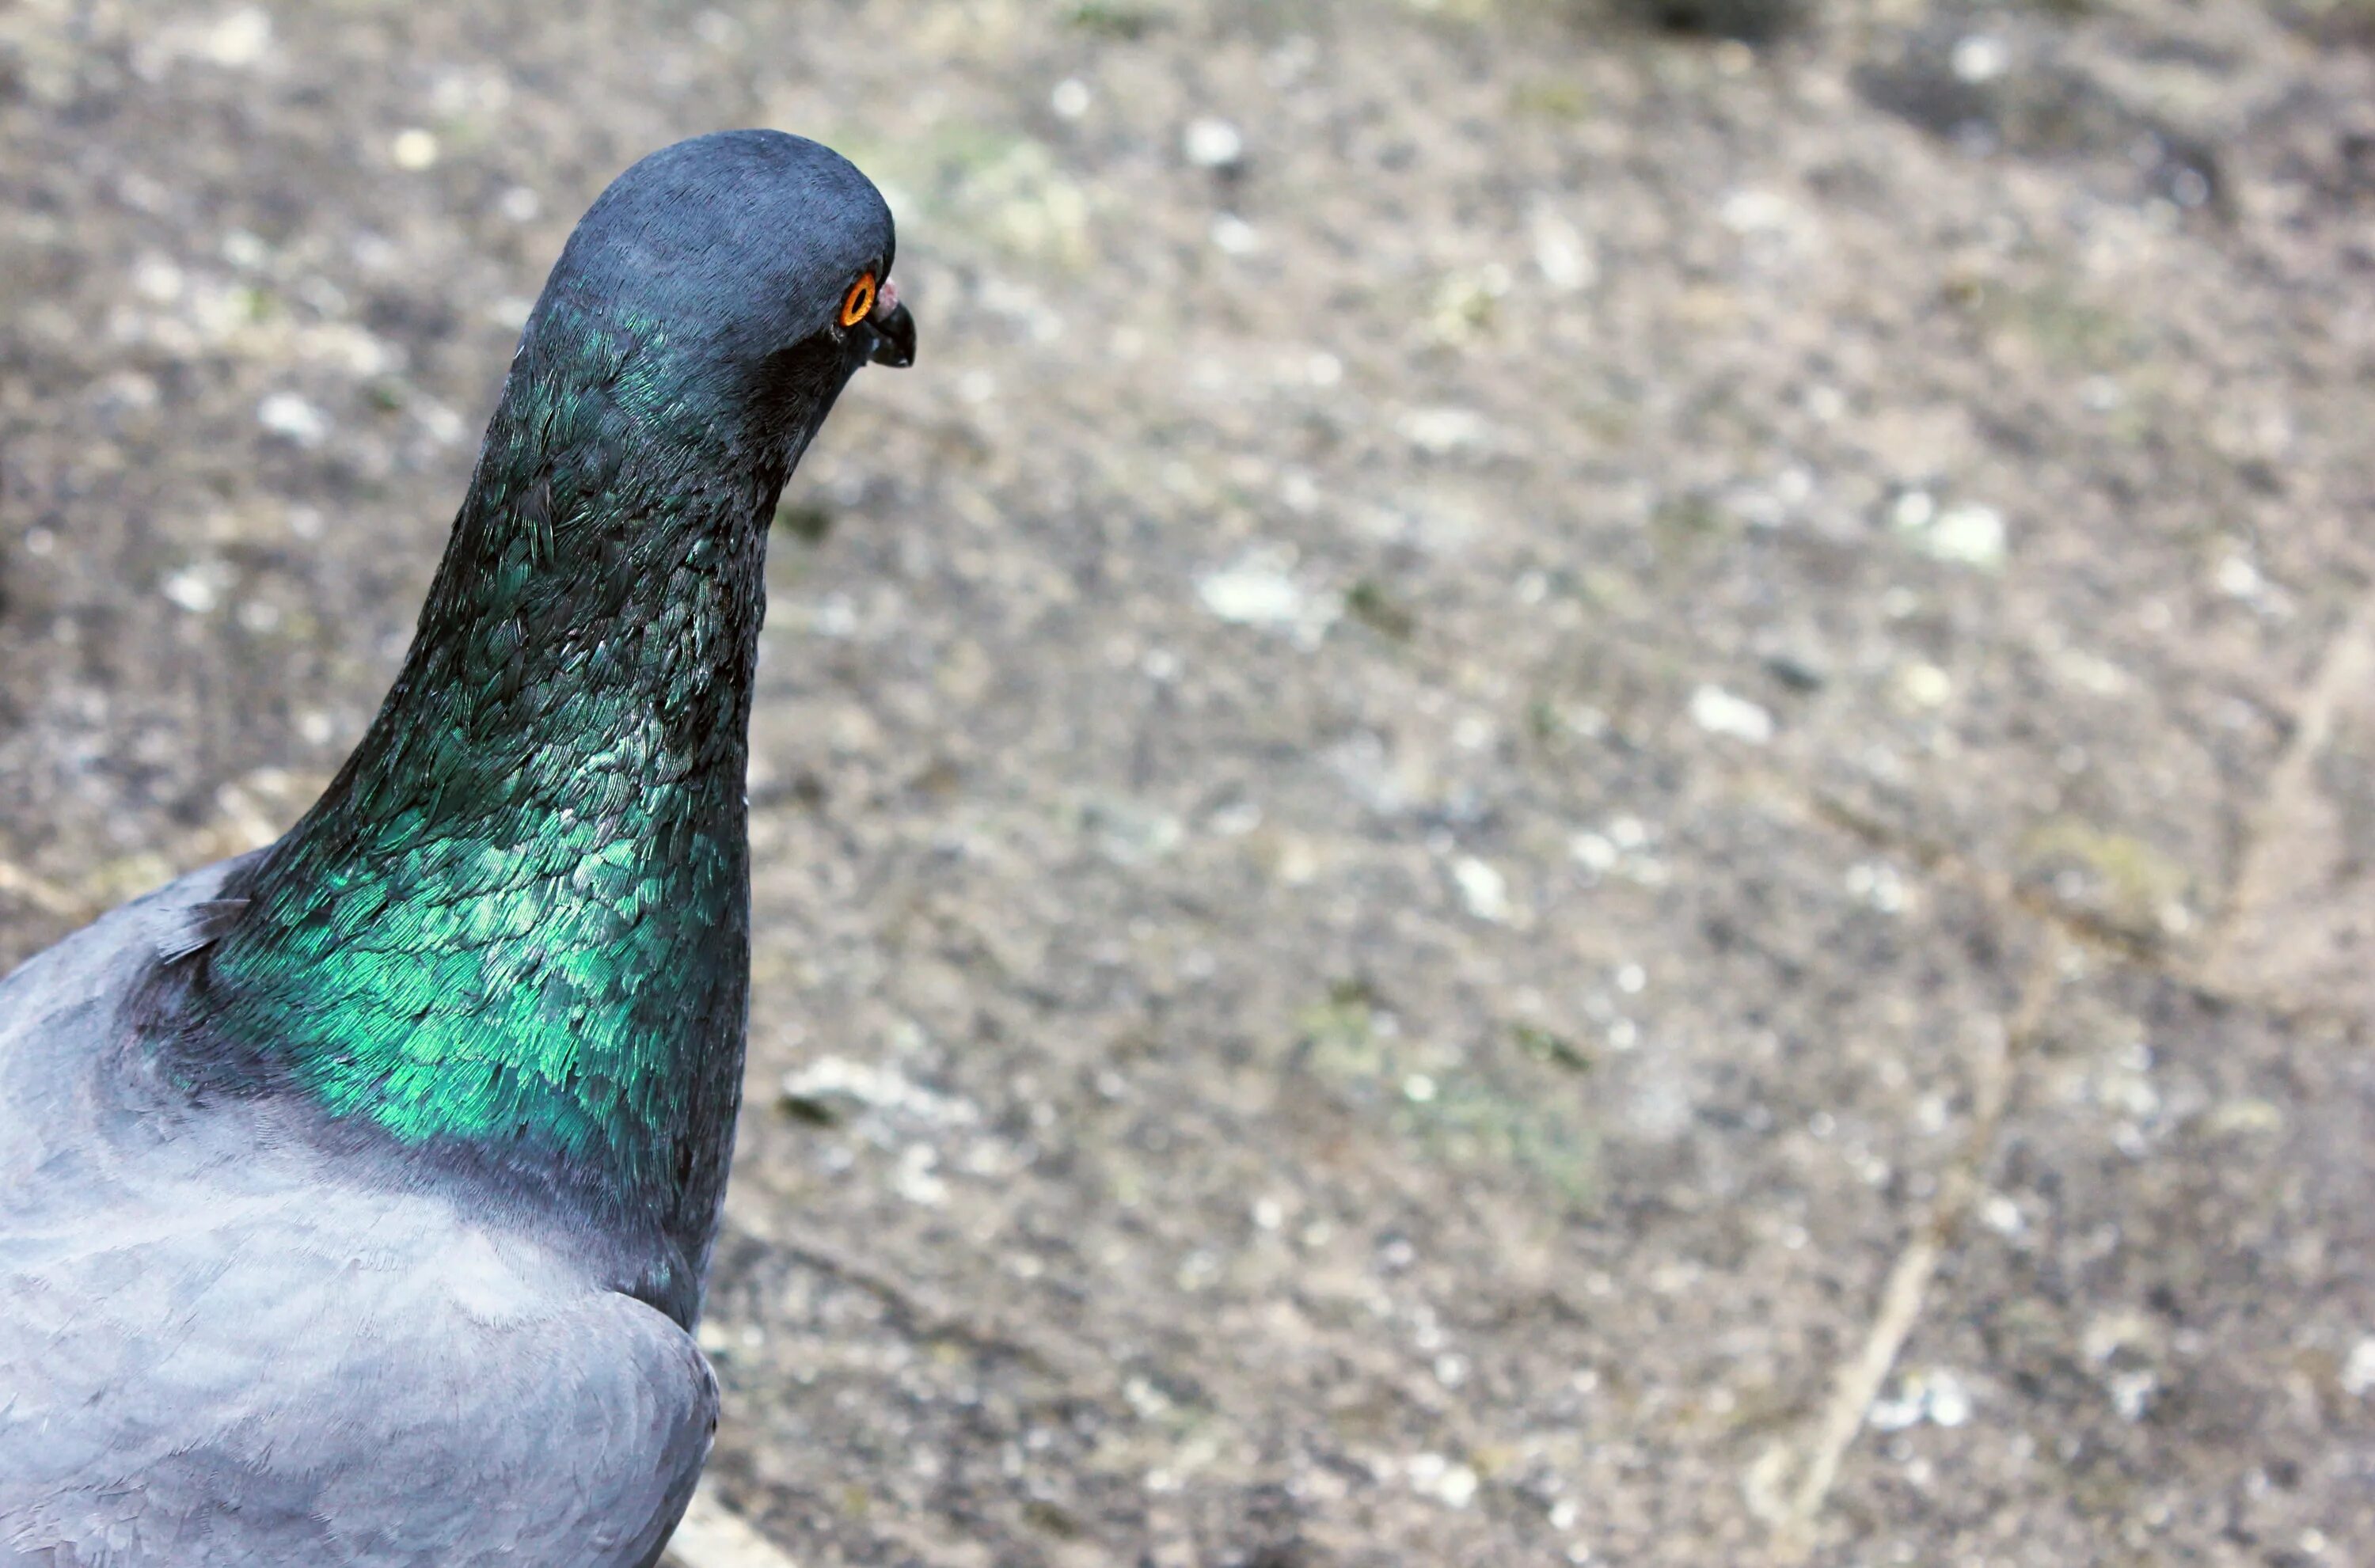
x,y
356,1195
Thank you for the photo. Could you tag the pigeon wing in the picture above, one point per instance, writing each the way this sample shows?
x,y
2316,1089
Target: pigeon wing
x,y
341,1379
220,1344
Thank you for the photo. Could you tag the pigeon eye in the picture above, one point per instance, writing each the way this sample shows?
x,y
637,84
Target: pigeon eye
x,y
859,303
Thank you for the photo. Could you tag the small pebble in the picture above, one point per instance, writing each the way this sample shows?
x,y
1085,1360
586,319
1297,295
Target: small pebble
x,y
1756,212
2236,578
1718,712
1949,1403
1255,591
2359,1371
413,149
1440,431
1968,534
244,250
1451,1484
1213,144
1982,57
1563,255
240,39
1926,686
1234,236
157,279
288,414
195,588
2002,1215
1482,889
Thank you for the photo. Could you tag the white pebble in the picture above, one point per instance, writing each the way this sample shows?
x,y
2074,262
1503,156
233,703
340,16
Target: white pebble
x,y
1563,254
1754,212
2238,578
1234,236
1948,1402
1433,1475
915,1179
1481,888
2359,1371
413,148
1213,144
1718,712
239,38
1255,591
1441,431
1982,57
1968,534
2002,1215
1926,686
287,414
1070,97
195,588
158,280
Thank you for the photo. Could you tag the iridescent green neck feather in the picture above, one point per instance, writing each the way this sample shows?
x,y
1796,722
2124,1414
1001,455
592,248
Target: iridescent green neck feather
x,y
511,942
518,920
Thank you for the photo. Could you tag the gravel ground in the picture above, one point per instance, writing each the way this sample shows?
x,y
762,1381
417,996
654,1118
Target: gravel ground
x,y
1560,792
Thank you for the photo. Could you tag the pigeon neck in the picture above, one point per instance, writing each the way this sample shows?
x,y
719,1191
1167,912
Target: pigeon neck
x,y
517,925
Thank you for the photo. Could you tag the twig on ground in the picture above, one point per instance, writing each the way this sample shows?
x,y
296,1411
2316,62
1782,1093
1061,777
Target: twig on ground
x,y
1861,1375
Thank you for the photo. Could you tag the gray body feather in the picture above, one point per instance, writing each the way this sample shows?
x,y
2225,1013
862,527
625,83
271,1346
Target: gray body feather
x,y
222,1343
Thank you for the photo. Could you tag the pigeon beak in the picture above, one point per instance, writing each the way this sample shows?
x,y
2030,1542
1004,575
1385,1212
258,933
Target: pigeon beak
x,y
894,329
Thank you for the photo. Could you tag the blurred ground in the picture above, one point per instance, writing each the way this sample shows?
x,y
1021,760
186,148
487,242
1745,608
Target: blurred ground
x,y
1572,795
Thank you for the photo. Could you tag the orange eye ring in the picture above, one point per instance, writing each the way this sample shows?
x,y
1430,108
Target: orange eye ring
x,y
859,303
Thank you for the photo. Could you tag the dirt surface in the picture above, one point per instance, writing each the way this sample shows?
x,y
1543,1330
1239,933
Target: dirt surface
x,y
1557,793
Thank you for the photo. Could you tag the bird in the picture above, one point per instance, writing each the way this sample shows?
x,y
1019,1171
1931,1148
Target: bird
x,y
357,1194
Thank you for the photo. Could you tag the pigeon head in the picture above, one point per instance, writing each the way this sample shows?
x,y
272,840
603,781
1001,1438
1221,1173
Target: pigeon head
x,y
751,264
